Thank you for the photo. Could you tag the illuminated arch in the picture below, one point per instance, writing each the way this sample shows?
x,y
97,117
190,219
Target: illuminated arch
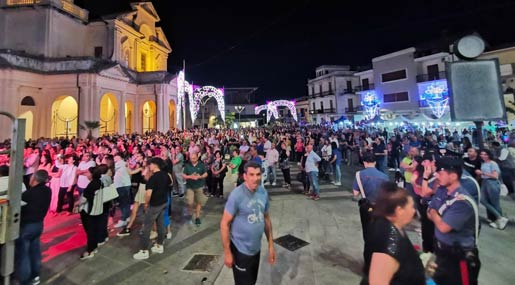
x,y
149,116
271,109
183,87
108,114
207,91
172,116
129,111
64,117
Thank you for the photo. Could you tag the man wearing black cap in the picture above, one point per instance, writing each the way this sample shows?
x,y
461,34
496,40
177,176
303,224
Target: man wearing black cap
x,y
370,179
454,214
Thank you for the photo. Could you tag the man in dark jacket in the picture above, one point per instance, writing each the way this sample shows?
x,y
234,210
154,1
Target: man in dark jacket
x,y
28,251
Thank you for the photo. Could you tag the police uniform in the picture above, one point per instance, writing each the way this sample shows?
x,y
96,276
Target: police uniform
x,y
456,251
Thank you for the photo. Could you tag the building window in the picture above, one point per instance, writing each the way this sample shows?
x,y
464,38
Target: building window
x,y
322,105
349,86
98,52
350,104
314,108
394,75
331,105
143,62
433,72
396,97
365,83
330,86
312,90
28,101
320,88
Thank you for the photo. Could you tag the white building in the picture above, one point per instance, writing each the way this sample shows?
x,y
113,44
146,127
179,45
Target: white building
x,y
332,93
58,69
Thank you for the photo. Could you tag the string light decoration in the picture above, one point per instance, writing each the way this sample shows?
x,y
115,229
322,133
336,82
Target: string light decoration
x,y
206,91
183,87
370,104
272,109
436,95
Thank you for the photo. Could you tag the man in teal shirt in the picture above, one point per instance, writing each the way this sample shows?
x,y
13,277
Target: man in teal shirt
x,y
195,175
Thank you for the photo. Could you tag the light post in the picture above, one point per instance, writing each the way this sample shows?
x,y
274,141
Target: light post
x,y
239,109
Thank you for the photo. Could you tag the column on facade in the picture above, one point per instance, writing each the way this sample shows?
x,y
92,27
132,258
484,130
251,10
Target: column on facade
x,y
162,115
121,113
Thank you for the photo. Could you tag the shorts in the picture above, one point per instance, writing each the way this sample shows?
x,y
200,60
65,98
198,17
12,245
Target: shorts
x,y
140,195
196,195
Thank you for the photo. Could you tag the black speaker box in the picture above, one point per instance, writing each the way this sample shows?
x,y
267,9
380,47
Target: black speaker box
x,y
475,90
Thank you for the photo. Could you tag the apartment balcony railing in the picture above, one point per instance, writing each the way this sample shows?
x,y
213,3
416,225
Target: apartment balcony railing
x,y
354,110
431,76
322,94
324,111
365,87
63,5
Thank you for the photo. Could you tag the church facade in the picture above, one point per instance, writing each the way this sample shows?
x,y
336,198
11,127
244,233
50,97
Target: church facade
x,y
59,70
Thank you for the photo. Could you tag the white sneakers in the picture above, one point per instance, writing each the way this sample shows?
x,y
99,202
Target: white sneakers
x,y
157,249
153,235
502,222
121,224
169,235
141,255
144,254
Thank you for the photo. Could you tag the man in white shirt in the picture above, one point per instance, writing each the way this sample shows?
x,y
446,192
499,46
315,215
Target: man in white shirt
x,y
272,157
82,169
268,145
122,182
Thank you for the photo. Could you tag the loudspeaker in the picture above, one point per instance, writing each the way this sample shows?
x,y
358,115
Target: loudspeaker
x,y
475,90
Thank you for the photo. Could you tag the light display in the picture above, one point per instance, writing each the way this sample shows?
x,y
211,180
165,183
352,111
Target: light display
x,y
272,109
182,87
436,94
206,91
370,104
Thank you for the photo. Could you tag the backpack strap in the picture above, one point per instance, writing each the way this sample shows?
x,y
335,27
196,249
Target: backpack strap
x,y
461,197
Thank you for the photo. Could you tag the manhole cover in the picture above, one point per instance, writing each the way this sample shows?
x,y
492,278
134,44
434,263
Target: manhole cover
x,y
290,242
200,262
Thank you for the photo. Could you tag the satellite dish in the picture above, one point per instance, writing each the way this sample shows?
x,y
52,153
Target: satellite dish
x,y
469,47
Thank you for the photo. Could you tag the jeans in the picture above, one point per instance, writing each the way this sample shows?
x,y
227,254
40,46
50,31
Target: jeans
x,y
167,216
313,180
273,170
180,182
28,252
153,213
337,173
80,190
124,198
508,175
490,195
380,163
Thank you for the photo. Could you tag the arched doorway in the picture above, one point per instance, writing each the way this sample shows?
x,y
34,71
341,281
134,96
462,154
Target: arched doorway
x,y
129,111
172,114
29,121
64,117
149,116
108,114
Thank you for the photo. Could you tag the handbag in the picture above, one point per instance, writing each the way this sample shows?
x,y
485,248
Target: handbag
x,y
98,205
109,193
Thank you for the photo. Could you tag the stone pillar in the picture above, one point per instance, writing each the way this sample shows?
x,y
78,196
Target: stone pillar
x,y
121,114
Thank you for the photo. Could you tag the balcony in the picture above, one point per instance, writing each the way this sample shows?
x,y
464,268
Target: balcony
x,y
324,111
64,5
365,87
322,94
431,77
354,110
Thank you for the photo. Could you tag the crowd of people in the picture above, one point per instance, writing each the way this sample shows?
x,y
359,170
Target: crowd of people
x,y
149,170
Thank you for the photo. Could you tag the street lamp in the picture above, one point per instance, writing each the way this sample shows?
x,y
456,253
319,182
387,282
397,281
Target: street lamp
x,y
239,109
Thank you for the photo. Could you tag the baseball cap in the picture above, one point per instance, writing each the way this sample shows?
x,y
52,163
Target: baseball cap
x,y
450,164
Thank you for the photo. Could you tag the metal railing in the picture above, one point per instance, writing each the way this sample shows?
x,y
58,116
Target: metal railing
x,y
431,76
322,94
354,110
365,87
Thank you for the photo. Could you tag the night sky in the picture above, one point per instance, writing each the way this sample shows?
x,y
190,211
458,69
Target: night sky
x,y
276,45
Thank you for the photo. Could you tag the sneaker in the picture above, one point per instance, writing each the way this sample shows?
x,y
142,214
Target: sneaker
x,y
273,184
181,195
169,235
153,235
140,255
175,194
502,222
493,225
121,224
36,281
316,197
286,186
88,255
104,242
338,184
197,221
392,169
157,248
266,183
124,232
